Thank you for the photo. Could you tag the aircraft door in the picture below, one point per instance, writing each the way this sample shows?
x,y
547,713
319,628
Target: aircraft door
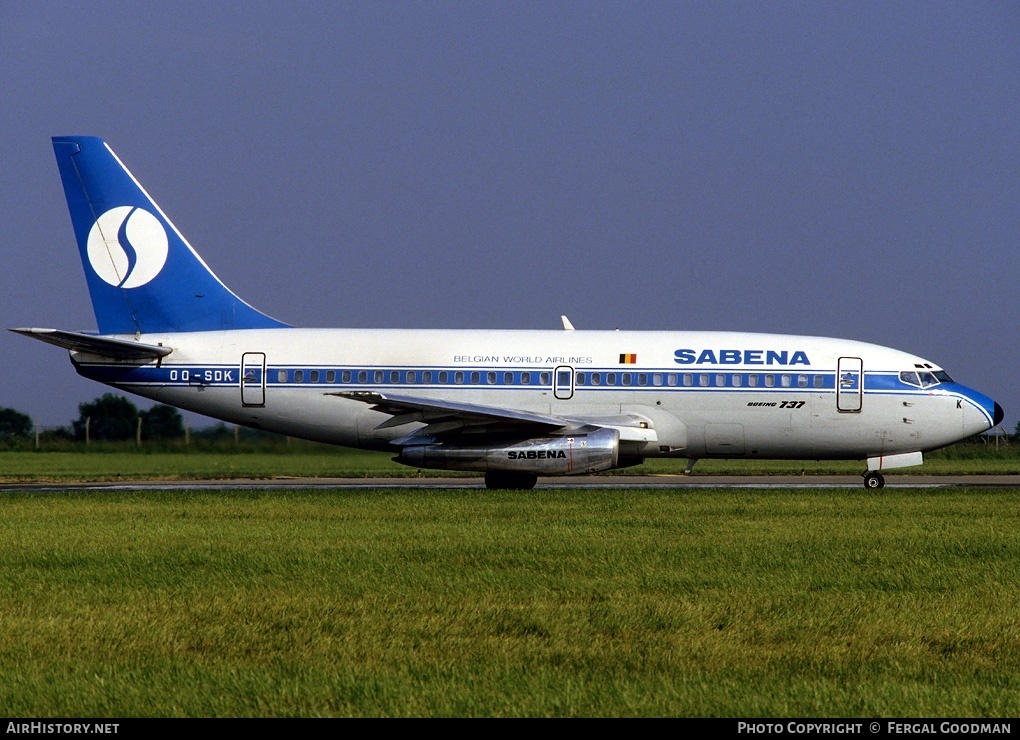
x,y
563,382
849,384
253,379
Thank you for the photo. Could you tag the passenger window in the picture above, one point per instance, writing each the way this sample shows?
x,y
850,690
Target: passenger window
x,y
331,376
802,381
738,380
508,378
657,379
444,377
299,376
458,377
688,380
345,376
819,381
411,376
362,376
720,380
703,380
642,379
525,378
672,378
626,379
544,378
281,376
785,380
426,376
770,381
490,378
610,378
596,378
476,378
377,376
752,380
313,376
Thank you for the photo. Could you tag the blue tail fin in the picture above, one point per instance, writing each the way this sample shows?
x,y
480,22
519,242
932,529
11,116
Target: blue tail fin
x,y
143,275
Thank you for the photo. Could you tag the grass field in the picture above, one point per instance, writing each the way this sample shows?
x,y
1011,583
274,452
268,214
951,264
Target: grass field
x,y
122,461
546,603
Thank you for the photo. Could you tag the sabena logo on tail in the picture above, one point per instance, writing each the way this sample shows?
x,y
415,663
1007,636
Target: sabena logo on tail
x,y
127,247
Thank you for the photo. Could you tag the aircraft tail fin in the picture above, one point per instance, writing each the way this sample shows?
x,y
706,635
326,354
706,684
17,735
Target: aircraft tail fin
x,y
143,275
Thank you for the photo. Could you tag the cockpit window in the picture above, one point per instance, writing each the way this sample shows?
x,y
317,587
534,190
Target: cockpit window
x,y
910,378
924,379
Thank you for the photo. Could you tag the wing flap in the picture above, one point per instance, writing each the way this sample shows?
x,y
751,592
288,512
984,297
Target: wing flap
x,y
407,409
442,416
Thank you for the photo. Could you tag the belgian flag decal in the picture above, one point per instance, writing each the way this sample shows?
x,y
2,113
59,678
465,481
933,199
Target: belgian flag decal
x,y
628,359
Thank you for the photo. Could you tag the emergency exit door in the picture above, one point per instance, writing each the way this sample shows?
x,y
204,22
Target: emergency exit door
x,y
563,382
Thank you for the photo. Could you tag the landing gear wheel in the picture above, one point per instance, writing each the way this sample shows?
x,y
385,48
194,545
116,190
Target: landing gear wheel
x,y
873,480
510,481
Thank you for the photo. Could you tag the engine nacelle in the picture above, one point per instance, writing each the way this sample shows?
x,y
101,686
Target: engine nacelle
x,y
566,455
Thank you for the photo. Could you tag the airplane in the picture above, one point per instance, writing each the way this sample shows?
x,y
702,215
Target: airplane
x,y
514,405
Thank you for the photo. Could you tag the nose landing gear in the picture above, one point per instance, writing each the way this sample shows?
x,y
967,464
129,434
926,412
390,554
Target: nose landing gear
x,y
873,480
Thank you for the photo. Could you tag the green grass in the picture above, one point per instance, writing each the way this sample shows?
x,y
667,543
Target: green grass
x,y
117,464
261,460
545,603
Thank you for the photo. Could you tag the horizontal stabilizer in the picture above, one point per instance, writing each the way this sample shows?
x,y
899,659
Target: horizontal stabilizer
x,y
118,349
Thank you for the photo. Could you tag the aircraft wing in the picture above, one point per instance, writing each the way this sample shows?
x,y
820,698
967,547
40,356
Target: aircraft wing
x,y
407,409
118,349
442,416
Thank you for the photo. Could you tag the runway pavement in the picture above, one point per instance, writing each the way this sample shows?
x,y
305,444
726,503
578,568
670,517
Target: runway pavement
x,y
588,481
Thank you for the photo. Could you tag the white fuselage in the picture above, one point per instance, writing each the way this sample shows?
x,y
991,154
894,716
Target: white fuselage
x,y
679,394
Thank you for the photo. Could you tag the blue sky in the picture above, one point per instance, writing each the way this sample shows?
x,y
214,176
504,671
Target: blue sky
x,y
838,169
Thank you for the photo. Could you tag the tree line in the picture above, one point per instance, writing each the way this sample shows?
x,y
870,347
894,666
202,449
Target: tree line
x,y
113,418
110,417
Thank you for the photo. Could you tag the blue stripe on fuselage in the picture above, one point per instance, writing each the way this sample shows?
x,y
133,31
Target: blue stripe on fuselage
x,y
611,379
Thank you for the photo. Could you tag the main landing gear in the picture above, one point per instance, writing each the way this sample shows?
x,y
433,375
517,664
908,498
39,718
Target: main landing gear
x,y
873,480
510,480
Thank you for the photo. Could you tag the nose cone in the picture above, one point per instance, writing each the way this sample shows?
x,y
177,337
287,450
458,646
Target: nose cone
x,y
980,413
